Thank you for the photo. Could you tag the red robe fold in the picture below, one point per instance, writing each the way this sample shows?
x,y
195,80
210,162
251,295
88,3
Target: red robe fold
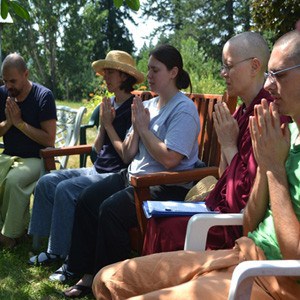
x,y
232,190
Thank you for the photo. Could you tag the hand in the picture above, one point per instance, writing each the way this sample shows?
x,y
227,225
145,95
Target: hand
x,y
270,141
8,119
140,116
226,126
107,113
13,112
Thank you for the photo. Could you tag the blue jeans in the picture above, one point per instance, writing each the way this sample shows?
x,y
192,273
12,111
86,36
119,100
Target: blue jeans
x,y
55,199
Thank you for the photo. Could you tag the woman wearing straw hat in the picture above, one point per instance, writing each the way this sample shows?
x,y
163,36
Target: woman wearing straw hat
x,y
163,137
56,193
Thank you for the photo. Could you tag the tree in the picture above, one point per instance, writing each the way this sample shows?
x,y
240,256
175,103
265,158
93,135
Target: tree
x,y
63,37
211,23
271,16
18,9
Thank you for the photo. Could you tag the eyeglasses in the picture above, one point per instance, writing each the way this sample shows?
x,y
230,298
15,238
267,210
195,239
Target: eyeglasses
x,y
272,76
226,68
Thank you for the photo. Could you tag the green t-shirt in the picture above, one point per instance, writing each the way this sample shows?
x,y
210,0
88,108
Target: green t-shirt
x,y
264,236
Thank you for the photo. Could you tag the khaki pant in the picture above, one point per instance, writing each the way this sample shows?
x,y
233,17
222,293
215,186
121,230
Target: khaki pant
x,y
188,275
18,177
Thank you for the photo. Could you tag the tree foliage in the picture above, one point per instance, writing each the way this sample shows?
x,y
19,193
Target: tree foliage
x,y
277,16
63,37
14,7
133,4
208,22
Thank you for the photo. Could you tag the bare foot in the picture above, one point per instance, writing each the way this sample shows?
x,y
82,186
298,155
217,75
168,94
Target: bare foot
x,y
81,288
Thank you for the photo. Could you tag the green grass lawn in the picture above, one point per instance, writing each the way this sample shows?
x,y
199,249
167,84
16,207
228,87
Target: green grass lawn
x,y
18,280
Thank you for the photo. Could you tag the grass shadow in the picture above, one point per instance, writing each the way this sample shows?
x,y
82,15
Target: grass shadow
x,y
20,281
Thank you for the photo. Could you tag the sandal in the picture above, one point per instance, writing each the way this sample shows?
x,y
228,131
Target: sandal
x,y
84,290
61,274
43,258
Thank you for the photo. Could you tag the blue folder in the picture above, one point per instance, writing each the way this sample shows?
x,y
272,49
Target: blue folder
x,y
173,208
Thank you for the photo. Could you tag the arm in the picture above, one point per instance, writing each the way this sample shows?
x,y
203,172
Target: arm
x,y
257,204
280,199
159,151
107,115
98,143
157,148
4,127
227,131
283,214
44,136
272,144
223,164
259,198
6,124
130,146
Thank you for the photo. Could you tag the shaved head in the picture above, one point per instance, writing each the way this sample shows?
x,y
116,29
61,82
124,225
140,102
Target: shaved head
x,y
250,44
14,60
290,45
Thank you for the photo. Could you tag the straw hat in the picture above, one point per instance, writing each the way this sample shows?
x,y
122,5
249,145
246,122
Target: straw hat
x,y
201,189
118,60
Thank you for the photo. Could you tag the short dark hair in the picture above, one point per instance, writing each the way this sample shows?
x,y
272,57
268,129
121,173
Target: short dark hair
x,y
128,83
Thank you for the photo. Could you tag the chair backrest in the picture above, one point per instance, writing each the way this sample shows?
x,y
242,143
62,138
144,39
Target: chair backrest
x,y
209,152
94,119
145,95
209,148
68,129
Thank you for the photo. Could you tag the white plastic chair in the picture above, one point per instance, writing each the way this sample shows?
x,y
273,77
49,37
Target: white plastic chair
x,y
68,129
67,135
199,224
245,272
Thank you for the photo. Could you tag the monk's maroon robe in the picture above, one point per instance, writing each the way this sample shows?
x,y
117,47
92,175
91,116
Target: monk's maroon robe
x,y
232,190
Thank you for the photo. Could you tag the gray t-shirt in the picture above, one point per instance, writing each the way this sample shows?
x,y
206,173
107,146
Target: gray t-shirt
x,y
177,125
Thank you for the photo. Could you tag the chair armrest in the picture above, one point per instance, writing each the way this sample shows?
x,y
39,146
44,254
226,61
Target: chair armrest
x,y
85,126
51,152
48,154
160,178
244,273
199,224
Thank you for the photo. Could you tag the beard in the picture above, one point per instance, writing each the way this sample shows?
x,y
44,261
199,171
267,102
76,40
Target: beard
x,y
13,92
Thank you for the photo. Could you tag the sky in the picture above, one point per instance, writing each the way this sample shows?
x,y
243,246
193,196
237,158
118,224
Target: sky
x,y
143,30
